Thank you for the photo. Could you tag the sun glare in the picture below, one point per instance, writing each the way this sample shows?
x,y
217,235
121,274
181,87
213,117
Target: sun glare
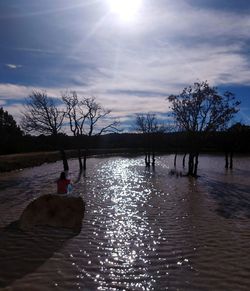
x,y
126,10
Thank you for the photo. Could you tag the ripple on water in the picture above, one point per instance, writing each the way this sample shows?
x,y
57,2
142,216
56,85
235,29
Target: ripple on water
x,y
143,229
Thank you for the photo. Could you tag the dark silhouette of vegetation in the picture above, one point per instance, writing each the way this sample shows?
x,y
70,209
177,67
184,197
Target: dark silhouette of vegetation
x,y
8,125
85,116
77,115
148,125
10,132
231,142
201,116
165,143
42,115
96,114
200,110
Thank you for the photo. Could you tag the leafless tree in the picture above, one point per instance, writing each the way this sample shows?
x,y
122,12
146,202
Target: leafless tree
x,y
148,125
199,110
76,113
41,115
96,115
87,117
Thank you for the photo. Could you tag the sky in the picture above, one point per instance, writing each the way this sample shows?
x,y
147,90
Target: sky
x,y
130,54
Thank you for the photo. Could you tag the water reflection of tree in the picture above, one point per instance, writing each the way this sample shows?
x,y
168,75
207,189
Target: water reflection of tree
x,y
233,199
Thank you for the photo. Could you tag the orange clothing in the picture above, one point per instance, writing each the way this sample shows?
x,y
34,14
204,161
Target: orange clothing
x,y
62,186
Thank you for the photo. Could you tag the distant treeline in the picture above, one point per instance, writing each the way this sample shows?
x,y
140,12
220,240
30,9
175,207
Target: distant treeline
x,y
174,142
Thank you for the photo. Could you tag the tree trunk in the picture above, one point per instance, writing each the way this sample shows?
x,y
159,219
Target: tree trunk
x,y
196,164
85,160
226,160
184,161
147,159
80,159
231,160
153,158
65,161
191,164
175,157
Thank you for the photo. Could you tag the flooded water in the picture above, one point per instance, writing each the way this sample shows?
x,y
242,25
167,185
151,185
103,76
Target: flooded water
x,y
143,229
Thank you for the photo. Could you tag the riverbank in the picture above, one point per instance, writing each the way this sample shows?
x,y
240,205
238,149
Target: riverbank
x,y
26,160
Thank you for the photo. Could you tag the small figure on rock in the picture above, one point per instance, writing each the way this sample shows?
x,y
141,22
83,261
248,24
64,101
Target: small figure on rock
x,y
63,184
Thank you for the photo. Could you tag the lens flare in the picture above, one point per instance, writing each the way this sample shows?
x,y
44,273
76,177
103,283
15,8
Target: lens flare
x,y
126,10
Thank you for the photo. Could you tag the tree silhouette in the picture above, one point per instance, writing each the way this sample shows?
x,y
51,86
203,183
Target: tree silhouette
x,y
148,125
10,132
41,115
199,110
8,125
96,115
86,118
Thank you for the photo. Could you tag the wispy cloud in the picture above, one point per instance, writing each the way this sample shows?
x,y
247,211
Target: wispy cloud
x,y
13,66
131,69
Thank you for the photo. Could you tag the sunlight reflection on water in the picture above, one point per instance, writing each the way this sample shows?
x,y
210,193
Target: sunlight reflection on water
x,y
143,228
125,228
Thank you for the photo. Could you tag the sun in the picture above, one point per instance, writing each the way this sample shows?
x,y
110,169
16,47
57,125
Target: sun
x,y
126,10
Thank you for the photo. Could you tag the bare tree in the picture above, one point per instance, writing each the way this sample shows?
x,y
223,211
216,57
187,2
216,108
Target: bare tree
x,y
77,115
199,110
87,117
148,125
76,112
96,115
41,115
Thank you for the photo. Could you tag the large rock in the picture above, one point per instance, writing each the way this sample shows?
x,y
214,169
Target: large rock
x,y
54,210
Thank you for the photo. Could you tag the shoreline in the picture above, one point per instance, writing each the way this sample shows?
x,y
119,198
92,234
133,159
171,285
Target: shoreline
x,y
20,161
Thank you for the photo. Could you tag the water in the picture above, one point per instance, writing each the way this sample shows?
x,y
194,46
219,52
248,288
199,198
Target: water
x,y
143,229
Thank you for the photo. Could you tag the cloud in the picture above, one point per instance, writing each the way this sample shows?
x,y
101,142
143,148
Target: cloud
x,y
12,91
15,110
13,66
183,19
133,69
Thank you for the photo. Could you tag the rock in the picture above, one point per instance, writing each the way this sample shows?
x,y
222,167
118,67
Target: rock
x,y
53,210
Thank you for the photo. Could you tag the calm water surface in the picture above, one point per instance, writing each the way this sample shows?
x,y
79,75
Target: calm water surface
x,y
143,229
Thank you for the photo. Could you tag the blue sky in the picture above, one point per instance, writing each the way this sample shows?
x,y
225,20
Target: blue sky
x,y
130,65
